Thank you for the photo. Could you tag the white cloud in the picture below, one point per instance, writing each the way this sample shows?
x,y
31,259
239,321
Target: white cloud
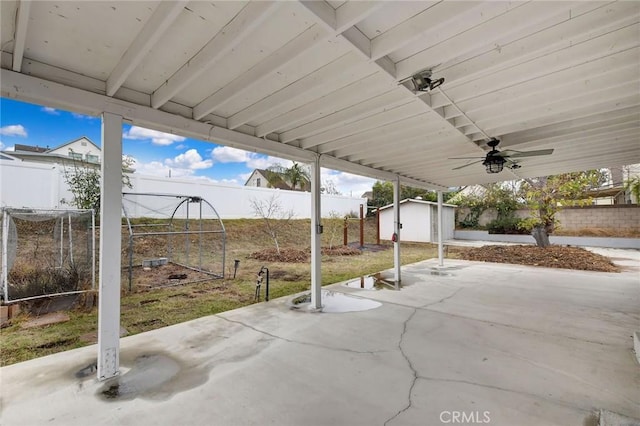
x,y
227,154
156,137
181,166
189,160
180,146
261,162
347,183
1,146
82,116
14,130
50,110
154,168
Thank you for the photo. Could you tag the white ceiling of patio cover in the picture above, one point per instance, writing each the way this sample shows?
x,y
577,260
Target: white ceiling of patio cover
x,y
330,77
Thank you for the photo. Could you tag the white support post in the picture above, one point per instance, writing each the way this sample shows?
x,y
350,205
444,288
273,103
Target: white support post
x,y
110,230
316,233
70,240
5,255
397,226
61,242
440,244
93,249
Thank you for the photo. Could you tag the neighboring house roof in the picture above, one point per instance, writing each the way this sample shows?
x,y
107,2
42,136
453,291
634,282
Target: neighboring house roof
x,y
368,195
25,155
413,200
57,154
5,156
610,191
29,148
74,141
281,184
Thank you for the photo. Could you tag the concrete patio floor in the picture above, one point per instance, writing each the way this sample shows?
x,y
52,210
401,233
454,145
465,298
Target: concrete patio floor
x,y
499,344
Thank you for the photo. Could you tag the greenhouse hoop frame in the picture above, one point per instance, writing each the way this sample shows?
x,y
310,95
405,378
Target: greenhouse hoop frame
x,y
182,200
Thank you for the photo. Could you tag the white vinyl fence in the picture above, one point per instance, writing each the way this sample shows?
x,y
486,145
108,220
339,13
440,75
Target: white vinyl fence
x,y
32,185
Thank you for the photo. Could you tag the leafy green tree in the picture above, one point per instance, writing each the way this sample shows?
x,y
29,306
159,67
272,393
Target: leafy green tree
x,y
633,186
502,197
545,196
84,183
476,205
383,194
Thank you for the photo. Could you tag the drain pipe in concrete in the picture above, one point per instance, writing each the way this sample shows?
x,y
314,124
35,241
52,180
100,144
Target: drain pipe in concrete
x,y
440,243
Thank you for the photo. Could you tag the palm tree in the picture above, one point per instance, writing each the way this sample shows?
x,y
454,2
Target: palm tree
x,y
297,176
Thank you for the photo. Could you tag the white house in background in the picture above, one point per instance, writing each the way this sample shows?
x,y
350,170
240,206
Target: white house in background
x,y
419,221
81,149
259,179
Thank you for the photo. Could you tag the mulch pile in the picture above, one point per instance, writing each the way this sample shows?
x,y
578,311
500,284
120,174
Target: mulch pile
x,y
549,257
341,251
291,255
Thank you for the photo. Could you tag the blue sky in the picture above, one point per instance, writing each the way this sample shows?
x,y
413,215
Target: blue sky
x,y
155,153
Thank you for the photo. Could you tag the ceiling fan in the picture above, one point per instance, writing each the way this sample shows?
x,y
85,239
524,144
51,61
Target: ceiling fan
x,y
495,160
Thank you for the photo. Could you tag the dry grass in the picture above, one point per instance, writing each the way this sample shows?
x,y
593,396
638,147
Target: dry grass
x,y
149,308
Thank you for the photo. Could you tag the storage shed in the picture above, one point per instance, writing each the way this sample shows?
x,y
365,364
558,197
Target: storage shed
x,y
419,221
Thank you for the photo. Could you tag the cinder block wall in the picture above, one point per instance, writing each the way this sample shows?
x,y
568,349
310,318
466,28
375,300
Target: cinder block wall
x,y
622,216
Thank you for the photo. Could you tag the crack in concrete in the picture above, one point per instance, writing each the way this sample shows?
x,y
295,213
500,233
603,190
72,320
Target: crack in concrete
x,y
515,327
413,370
315,345
527,394
443,299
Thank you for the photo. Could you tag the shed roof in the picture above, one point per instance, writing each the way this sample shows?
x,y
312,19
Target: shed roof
x,y
413,200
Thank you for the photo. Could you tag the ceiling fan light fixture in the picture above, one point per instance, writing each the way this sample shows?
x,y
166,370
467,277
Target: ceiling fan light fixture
x,y
494,164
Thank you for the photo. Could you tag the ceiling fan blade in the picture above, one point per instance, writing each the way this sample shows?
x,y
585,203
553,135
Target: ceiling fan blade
x,y
464,158
468,164
519,154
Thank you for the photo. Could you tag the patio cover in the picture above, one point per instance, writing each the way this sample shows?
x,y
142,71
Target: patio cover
x,y
329,83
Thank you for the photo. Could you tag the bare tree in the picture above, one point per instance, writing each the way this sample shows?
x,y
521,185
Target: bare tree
x,y
329,187
333,227
274,216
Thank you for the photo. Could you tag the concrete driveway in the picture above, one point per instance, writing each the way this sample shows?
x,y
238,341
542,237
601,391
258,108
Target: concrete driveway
x,y
473,343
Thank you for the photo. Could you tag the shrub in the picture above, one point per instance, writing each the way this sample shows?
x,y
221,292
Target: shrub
x,y
507,225
470,221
